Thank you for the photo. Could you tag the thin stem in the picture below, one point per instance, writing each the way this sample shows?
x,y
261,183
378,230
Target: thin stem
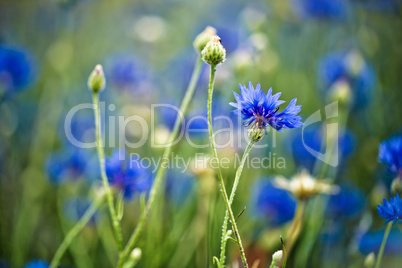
x,y
75,230
222,183
161,170
232,194
294,230
384,241
101,154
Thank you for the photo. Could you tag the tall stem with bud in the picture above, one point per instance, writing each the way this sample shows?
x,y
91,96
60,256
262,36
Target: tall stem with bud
x,y
214,54
101,155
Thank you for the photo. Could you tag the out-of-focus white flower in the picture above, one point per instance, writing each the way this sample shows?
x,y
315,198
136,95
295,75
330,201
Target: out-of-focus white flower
x,y
150,28
304,186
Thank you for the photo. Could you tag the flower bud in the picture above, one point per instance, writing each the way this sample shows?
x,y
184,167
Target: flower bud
x,y
96,80
203,38
214,53
256,133
369,260
276,257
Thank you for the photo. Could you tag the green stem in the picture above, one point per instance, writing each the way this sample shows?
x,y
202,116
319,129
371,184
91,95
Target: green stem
x,y
101,154
161,170
75,230
222,183
294,230
232,194
384,241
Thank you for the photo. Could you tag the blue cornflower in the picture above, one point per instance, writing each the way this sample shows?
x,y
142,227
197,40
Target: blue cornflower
x,y
322,8
390,153
392,210
16,70
272,205
347,69
129,73
70,163
260,111
129,176
313,136
348,203
37,264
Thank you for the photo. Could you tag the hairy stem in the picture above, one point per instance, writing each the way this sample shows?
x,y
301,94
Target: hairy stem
x,y
222,183
101,155
161,170
232,194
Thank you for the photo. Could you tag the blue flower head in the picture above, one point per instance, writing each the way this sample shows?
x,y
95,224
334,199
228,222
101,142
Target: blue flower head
x,y
129,176
70,163
313,137
37,264
273,205
129,73
16,70
260,111
392,210
390,153
322,8
351,69
348,203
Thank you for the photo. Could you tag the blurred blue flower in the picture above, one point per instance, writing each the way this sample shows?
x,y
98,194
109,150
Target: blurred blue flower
x,y
16,70
130,73
167,111
75,207
70,163
177,74
37,264
371,242
392,210
179,186
312,136
348,203
390,153
197,125
260,110
230,38
349,67
82,127
273,205
128,175
321,8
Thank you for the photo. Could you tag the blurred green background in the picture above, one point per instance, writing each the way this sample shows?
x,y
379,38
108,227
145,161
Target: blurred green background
x,y
300,48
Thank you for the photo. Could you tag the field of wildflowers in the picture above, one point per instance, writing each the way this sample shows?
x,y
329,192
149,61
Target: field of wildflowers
x,y
201,133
